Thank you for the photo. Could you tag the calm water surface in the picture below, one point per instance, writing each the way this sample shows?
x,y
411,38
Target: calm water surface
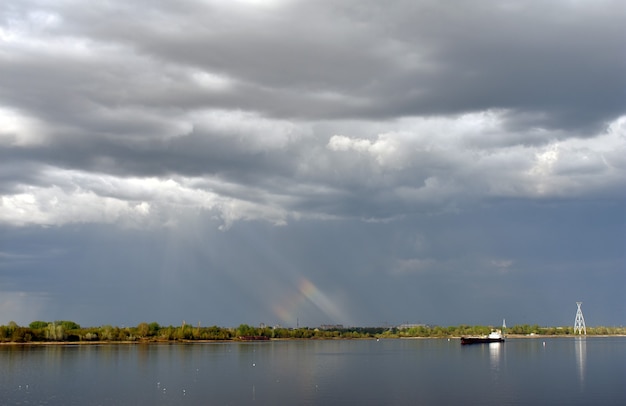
x,y
563,371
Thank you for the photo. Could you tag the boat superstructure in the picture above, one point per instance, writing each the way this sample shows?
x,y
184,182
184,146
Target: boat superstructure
x,y
496,336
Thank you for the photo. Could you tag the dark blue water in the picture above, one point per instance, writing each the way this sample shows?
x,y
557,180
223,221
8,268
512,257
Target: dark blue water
x,y
564,371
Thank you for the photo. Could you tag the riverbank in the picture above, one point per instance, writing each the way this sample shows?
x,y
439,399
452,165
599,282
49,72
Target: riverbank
x,y
236,340
68,332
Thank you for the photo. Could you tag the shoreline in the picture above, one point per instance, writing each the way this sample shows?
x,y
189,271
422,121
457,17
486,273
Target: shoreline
x,y
172,342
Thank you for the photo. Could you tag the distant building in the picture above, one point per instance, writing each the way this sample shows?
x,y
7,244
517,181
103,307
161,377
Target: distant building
x,y
407,326
331,327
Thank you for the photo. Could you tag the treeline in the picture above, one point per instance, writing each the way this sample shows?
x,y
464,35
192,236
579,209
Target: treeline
x,y
523,329
69,331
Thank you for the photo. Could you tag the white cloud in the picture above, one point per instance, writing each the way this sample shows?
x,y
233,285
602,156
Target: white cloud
x,y
53,206
16,129
210,81
343,143
446,154
580,166
435,151
76,197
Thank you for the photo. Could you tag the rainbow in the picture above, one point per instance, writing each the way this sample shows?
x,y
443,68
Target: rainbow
x,y
308,294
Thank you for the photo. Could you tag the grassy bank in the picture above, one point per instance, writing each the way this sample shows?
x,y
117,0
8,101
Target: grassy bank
x,y
70,332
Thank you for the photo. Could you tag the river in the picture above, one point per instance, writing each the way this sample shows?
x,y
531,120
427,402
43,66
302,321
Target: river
x,y
554,371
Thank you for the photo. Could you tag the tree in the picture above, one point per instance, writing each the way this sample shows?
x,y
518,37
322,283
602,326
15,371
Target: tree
x,y
68,325
21,335
107,333
54,332
154,328
245,330
143,329
38,324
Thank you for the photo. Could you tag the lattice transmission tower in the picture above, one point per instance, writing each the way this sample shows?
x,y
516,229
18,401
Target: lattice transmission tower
x,y
579,323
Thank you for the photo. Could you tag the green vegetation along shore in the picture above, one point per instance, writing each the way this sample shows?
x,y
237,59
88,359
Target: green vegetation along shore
x,y
69,331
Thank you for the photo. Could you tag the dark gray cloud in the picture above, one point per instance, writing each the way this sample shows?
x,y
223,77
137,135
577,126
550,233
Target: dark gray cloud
x,y
352,162
331,61
480,266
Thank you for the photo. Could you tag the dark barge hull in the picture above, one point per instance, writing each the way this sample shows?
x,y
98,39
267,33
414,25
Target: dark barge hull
x,y
480,340
254,338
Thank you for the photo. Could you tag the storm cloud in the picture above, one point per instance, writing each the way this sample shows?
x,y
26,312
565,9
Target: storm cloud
x,y
328,162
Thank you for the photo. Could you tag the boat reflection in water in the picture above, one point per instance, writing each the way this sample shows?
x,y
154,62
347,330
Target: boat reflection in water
x,y
494,355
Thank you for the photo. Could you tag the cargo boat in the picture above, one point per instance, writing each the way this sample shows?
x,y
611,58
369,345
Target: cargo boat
x,y
493,337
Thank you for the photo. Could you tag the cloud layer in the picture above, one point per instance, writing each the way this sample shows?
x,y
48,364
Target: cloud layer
x,y
154,117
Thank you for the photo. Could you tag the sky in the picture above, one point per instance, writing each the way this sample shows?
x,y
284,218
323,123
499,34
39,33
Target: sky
x,y
300,163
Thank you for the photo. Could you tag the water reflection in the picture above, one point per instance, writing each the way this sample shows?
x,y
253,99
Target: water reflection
x,y
494,355
581,356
